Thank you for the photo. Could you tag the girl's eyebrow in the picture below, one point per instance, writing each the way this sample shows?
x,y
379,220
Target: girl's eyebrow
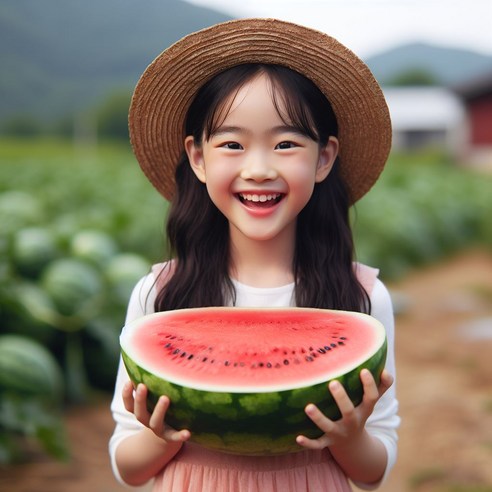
x,y
277,130
227,129
287,129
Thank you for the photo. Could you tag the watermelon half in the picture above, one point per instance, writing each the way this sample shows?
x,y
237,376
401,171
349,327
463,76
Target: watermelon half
x,y
239,379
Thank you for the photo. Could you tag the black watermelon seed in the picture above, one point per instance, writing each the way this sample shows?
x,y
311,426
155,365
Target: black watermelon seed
x,y
269,365
309,358
190,356
183,354
327,348
341,343
226,363
333,345
322,351
204,359
260,364
286,362
176,351
343,338
167,345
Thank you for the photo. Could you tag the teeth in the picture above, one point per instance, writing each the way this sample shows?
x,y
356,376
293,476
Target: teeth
x,y
259,198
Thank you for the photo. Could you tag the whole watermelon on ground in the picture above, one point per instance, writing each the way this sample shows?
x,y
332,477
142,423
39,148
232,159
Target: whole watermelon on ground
x,y
28,369
73,285
239,379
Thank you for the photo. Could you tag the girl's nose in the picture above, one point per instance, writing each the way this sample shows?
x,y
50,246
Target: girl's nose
x,y
257,168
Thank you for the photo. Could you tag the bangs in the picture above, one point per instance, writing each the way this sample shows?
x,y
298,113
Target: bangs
x,y
298,102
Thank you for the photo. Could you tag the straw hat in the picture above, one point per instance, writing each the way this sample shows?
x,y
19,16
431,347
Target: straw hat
x,y
168,86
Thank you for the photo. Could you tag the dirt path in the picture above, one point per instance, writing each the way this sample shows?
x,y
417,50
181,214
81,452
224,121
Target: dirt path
x,y
444,352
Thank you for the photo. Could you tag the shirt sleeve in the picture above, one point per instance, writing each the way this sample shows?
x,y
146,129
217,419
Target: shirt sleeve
x,y
384,421
141,303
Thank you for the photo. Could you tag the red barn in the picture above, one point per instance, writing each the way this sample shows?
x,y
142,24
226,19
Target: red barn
x,y
477,97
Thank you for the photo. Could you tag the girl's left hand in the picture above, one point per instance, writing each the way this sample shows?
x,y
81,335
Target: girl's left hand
x,y
351,424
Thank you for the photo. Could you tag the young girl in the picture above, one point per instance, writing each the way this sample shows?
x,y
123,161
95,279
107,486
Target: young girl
x,y
261,134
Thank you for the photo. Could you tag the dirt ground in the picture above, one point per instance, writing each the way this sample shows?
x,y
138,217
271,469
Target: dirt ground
x,y
443,351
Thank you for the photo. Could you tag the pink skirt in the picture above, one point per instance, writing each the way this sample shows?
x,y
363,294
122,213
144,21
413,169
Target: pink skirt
x,y
196,469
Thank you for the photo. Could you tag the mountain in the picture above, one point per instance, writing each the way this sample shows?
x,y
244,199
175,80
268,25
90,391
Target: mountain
x,y
61,56
447,66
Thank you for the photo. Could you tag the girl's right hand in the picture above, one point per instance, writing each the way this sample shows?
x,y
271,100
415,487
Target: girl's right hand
x,y
136,403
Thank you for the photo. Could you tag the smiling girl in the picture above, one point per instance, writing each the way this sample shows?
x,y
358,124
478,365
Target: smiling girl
x,y
261,134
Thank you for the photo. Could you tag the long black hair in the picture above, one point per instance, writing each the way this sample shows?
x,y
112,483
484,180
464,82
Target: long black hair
x,y
198,233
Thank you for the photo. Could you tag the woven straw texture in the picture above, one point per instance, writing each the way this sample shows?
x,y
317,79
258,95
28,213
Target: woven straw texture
x,y
167,87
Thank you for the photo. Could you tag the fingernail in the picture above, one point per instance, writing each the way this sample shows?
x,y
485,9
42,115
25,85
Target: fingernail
x,y
310,408
334,385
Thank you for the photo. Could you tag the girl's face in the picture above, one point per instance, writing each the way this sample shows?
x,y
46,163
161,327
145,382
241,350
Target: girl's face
x,y
259,171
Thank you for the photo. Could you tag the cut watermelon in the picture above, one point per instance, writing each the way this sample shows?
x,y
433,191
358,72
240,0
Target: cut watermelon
x,y
239,379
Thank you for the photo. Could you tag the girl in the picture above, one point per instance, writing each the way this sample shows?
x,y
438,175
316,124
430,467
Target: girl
x,y
262,134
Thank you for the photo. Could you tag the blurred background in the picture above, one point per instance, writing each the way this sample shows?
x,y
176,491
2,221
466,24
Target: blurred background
x,y
79,223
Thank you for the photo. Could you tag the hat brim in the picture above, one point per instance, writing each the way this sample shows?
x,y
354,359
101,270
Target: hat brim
x,y
167,87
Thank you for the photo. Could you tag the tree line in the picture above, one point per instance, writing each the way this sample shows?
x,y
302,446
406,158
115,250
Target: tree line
x,y
107,121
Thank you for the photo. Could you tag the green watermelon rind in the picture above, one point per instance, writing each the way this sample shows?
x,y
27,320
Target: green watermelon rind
x,y
29,369
264,423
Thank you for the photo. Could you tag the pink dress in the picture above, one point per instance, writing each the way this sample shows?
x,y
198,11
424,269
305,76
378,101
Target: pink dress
x,y
197,469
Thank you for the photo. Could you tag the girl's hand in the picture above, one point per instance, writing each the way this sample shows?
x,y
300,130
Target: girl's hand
x,y
137,404
349,428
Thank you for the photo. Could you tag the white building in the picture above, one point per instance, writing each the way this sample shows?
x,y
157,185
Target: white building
x,y
427,117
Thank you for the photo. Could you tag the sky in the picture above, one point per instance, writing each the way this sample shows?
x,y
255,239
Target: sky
x,y
369,27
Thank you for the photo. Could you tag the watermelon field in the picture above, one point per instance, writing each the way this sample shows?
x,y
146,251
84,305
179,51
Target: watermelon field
x,y
79,226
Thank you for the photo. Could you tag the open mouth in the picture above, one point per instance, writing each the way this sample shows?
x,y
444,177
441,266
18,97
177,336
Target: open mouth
x,y
260,200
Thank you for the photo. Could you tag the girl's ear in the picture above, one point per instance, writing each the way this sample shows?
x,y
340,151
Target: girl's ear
x,y
195,156
327,157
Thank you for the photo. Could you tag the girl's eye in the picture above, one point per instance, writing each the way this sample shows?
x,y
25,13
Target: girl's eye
x,y
285,145
232,146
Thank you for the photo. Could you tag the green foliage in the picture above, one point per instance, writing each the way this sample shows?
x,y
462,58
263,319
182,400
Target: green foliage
x,y
112,117
79,227
414,76
22,126
423,208
93,207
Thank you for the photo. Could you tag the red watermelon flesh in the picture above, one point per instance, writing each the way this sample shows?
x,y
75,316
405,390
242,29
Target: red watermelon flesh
x,y
252,350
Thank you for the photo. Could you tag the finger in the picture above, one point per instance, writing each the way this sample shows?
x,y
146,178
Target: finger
x,y
320,443
176,436
341,398
319,418
157,424
140,405
386,381
156,421
371,391
127,395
